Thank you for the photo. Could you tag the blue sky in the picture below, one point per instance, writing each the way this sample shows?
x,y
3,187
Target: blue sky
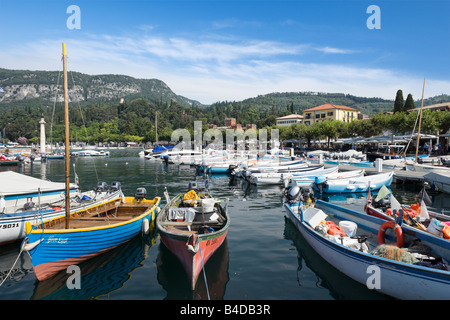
x,y
214,50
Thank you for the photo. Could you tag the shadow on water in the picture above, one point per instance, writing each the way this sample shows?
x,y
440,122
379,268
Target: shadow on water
x,y
174,280
340,286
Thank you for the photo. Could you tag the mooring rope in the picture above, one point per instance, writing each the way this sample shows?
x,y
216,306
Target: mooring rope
x,y
204,273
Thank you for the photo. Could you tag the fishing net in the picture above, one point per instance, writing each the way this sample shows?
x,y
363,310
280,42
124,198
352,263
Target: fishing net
x,y
394,253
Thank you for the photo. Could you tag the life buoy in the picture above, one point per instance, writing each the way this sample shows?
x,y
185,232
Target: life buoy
x,y
396,228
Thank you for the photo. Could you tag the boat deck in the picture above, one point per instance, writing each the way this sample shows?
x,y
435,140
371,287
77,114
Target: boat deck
x,y
124,212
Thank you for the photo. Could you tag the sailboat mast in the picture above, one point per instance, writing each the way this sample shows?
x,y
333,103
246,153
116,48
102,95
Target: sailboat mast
x,y
66,126
156,127
420,122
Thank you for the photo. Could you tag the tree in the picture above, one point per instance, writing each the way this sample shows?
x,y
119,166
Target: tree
x,y
409,104
399,102
327,128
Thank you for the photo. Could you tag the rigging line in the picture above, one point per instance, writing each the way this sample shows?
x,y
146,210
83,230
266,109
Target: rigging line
x,y
412,132
84,123
53,112
204,273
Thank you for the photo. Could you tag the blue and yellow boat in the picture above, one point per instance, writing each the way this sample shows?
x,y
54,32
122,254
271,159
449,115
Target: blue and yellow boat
x,y
58,244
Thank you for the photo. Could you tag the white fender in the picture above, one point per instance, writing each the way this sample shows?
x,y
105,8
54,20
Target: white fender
x,y
145,226
31,246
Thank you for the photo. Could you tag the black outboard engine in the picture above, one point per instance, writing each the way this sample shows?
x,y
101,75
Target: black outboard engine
x,y
101,187
115,186
382,204
246,174
141,193
231,168
293,194
193,185
28,205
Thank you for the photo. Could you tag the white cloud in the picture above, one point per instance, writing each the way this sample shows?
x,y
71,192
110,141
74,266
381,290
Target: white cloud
x,y
335,50
217,70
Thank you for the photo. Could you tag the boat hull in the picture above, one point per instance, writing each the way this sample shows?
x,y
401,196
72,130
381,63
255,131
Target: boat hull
x,y
187,238
193,262
55,250
356,184
396,279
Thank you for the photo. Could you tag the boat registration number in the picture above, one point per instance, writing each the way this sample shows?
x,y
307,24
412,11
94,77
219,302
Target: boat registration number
x,y
10,225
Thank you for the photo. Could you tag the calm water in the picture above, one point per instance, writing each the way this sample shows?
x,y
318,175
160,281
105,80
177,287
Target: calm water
x,y
263,258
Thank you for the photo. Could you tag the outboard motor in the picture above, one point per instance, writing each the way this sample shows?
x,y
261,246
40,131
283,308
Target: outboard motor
x,y
141,193
246,174
101,187
231,168
382,204
28,205
320,182
293,194
115,186
193,185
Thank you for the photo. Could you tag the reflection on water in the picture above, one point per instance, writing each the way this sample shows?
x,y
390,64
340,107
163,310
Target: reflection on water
x,y
339,285
173,278
99,276
264,256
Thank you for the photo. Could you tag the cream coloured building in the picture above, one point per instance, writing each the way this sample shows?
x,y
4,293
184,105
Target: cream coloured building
x,y
329,112
289,120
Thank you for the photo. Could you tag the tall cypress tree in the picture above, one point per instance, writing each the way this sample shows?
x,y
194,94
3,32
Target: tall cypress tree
x,y
399,102
409,104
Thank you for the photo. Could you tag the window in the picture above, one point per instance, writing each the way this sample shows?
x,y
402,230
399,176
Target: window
x,y
322,115
308,116
330,113
317,115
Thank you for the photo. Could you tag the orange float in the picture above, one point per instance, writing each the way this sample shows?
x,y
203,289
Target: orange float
x,y
398,232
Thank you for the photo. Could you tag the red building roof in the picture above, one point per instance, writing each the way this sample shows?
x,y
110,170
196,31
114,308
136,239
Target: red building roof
x,y
330,106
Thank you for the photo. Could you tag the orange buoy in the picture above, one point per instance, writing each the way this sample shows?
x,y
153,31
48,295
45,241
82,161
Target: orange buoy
x,y
396,228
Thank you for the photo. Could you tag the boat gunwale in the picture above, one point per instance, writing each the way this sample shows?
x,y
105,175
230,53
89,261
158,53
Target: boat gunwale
x,y
178,236
155,202
367,258
386,262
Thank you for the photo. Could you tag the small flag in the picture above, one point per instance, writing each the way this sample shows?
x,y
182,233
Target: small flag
x,y
395,205
423,212
423,195
382,193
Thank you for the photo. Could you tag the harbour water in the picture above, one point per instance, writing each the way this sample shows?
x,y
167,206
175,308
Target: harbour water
x,y
263,258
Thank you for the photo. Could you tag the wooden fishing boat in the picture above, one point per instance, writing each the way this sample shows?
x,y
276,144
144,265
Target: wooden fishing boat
x,y
193,226
361,184
53,246
58,243
415,219
410,272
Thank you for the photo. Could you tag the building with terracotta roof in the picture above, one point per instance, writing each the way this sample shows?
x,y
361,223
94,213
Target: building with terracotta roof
x,y
289,120
329,112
